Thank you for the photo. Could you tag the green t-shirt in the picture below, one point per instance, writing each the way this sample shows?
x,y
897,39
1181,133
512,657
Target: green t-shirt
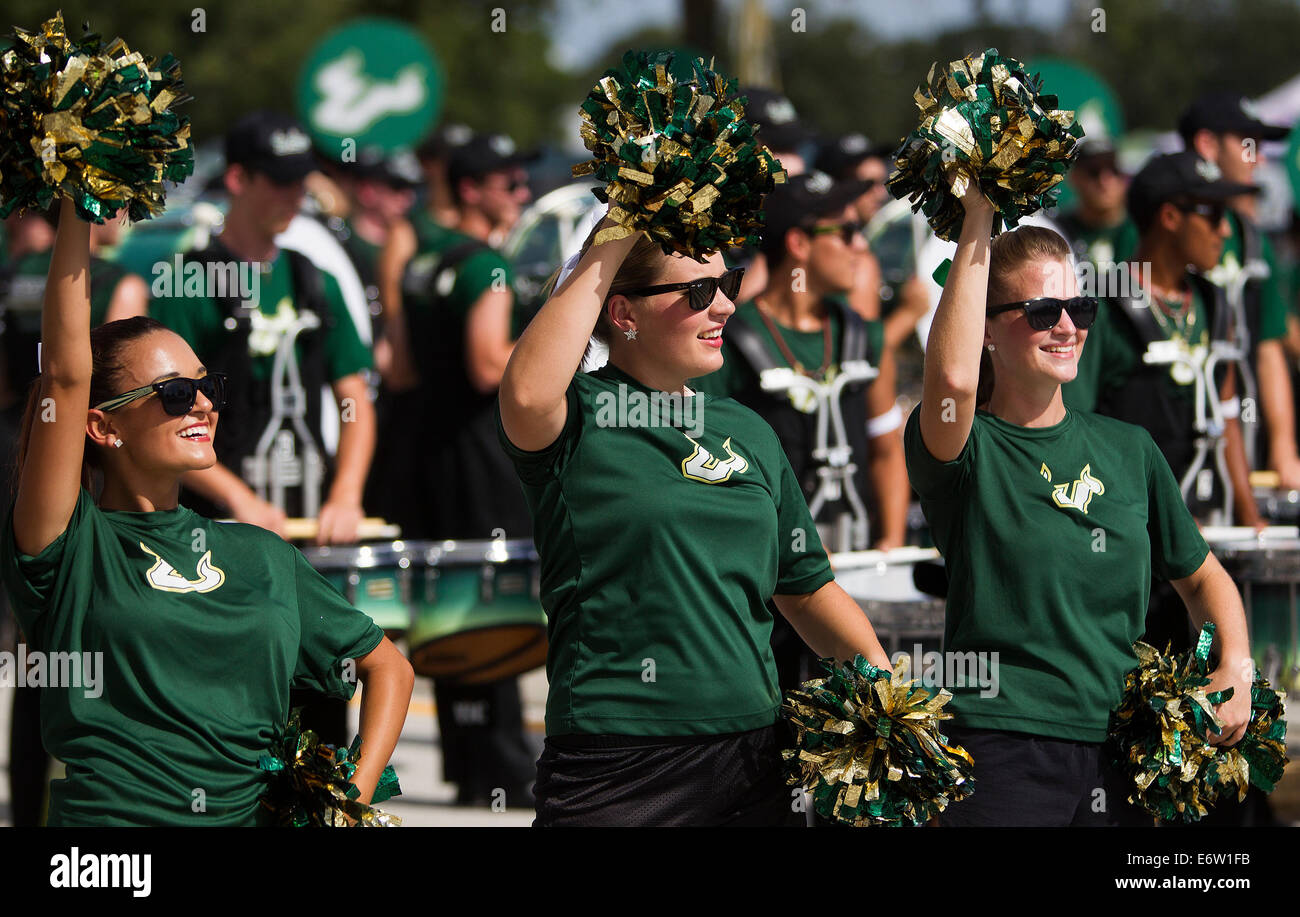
x,y
1272,303
1112,353
659,551
483,269
200,320
1051,536
197,659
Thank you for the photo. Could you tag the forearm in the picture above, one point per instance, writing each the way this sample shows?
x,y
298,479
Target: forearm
x,y
1277,402
550,350
1214,599
65,318
385,698
888,472
1244,507
833,625
219,485
356,445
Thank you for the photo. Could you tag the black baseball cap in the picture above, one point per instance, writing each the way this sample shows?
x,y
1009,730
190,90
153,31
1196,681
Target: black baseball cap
x,y
1227,112
778,125
803,199
1178,175
841,155
398,169
448,136
271,143
483,154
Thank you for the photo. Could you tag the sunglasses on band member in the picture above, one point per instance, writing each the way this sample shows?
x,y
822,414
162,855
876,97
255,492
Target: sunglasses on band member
x,y
846,230
1044,312
176,395
702,290
1214,212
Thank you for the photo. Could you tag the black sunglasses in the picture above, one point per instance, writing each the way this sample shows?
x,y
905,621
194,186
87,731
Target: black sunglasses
x,y
1044,312
1214,212
846,230
176,395
702,290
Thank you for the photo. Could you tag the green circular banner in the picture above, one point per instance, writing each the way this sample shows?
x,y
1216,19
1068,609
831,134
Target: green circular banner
x,y
1085,92
370,83
1293,164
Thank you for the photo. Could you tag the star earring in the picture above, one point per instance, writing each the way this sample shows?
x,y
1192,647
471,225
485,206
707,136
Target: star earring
x,y
630,334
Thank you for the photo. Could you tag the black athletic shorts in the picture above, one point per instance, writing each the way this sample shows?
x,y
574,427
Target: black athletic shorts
x,y
731,780
1024,780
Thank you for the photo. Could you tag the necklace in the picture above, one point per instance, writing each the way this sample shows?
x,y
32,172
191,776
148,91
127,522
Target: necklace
x,y
785,349
1175,311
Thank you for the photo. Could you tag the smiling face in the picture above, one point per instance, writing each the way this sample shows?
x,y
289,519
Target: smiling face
x,y
680,342
1029,359
153,441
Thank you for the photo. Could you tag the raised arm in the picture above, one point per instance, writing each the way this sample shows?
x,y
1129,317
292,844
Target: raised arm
x,y
50,478
549,352
952,355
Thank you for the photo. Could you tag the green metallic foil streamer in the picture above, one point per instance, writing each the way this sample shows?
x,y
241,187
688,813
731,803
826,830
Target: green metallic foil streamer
x,y
678,159
867,744
310,784
984,120
89,120
1160,735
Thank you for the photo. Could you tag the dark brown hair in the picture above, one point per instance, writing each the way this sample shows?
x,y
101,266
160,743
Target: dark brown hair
x,y
641,267
108,345
1008,255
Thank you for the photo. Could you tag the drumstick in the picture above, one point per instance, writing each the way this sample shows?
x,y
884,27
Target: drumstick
x,y
372,528
907,554
1265,479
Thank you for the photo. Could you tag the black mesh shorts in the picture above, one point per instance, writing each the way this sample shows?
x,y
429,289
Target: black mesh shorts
x,y
1023,780
720,781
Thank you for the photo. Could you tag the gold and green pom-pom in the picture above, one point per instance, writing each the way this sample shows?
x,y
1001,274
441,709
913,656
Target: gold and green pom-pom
x,y
868,746
310,784
677,158
984,120
1160,735
90,120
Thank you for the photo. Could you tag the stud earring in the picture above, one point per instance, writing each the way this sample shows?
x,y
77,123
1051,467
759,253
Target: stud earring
x,y
991,348
117,444
630,334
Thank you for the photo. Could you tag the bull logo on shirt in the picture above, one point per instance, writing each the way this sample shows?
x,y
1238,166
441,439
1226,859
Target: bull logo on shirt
x,y
702,465
1079,494
163,576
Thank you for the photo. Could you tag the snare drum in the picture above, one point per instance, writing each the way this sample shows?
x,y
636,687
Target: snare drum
x,y
882,582
477,613
1267,572
374,578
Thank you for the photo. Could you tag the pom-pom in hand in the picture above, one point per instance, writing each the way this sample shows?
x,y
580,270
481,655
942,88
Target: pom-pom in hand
x,y
1163,730
311,784
984,121
91,121
678,159
869,747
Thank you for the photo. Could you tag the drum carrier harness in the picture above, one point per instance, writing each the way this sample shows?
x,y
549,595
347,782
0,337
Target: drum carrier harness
x,y
833,462
1146,401
270,430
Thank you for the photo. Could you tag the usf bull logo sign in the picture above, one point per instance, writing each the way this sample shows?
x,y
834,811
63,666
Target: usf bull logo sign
x,y
371,82
166,578
1078,493
703,465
